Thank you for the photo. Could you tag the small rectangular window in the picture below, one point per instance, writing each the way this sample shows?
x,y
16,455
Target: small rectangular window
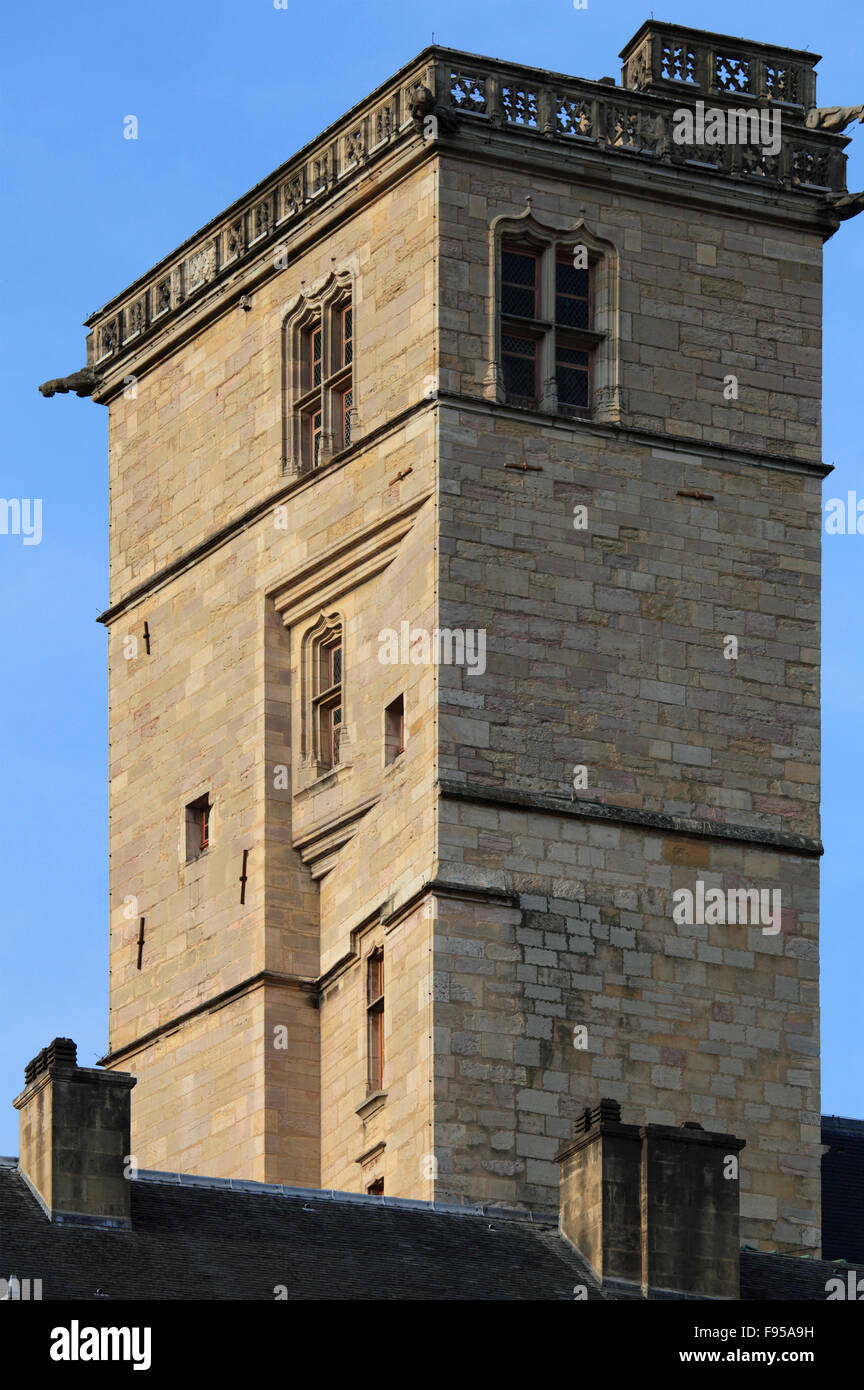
x,y
572,377
347,336
519,360
394,730
375,1019
331,722
198,827
376,1188
316,356
346,401
312,438
519,284
572,296
327,702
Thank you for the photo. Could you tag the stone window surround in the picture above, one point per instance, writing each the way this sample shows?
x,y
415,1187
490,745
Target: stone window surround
x,y
550,239
391,753
187,861
324,632
322,302
373,965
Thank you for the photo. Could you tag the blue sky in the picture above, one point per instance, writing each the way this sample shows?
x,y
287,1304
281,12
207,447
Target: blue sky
x,y
224,91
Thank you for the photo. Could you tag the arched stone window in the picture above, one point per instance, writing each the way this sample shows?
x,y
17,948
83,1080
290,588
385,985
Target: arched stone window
x,y
319,373
555,334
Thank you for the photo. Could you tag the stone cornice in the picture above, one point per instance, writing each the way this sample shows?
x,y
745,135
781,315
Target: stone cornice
x,y
673,443
387,94
676,444
254,513
216,1001
717,191
785,841
353,560
487,103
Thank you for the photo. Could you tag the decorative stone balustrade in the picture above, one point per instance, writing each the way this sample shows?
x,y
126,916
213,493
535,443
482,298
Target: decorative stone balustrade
x,y
665,69
667,58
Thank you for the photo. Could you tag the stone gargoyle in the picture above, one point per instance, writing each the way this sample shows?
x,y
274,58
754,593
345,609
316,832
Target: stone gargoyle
x,y
833,118
424,105
83,383
847,205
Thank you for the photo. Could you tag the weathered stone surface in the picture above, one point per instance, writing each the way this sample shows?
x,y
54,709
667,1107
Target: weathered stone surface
x,y
74,1147
513,906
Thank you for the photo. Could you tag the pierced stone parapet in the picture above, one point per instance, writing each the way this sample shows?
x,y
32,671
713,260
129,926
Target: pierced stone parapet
x,y
666,57
666,69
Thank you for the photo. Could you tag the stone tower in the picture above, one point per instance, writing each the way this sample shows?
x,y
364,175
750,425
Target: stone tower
x,y
465,521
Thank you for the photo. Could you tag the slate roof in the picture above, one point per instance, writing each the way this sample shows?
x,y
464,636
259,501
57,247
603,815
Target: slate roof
x,y
240,1241
787,1278
843,1188
210,1240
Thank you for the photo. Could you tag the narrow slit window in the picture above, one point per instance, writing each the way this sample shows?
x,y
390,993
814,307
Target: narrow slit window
x,y
198,816
375,1019
394,730
327,700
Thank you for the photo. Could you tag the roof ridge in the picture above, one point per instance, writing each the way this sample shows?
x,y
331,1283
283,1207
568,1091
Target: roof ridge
x,y
265,1189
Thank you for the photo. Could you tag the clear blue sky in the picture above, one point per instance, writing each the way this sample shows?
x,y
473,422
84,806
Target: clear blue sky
x,y
224,91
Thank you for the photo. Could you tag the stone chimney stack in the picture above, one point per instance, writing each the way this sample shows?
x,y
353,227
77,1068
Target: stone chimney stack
x,y
74,1138
652,1208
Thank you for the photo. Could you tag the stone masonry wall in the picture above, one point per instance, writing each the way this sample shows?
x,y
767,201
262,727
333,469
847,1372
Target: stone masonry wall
x,y
214,706
606,645
606,650
702,294
717,1024
402,1118
608,657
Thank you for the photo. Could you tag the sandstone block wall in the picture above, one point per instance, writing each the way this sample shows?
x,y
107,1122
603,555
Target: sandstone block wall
x,y
717,1024
507,918
702,294
607,652
215,706
402,1118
